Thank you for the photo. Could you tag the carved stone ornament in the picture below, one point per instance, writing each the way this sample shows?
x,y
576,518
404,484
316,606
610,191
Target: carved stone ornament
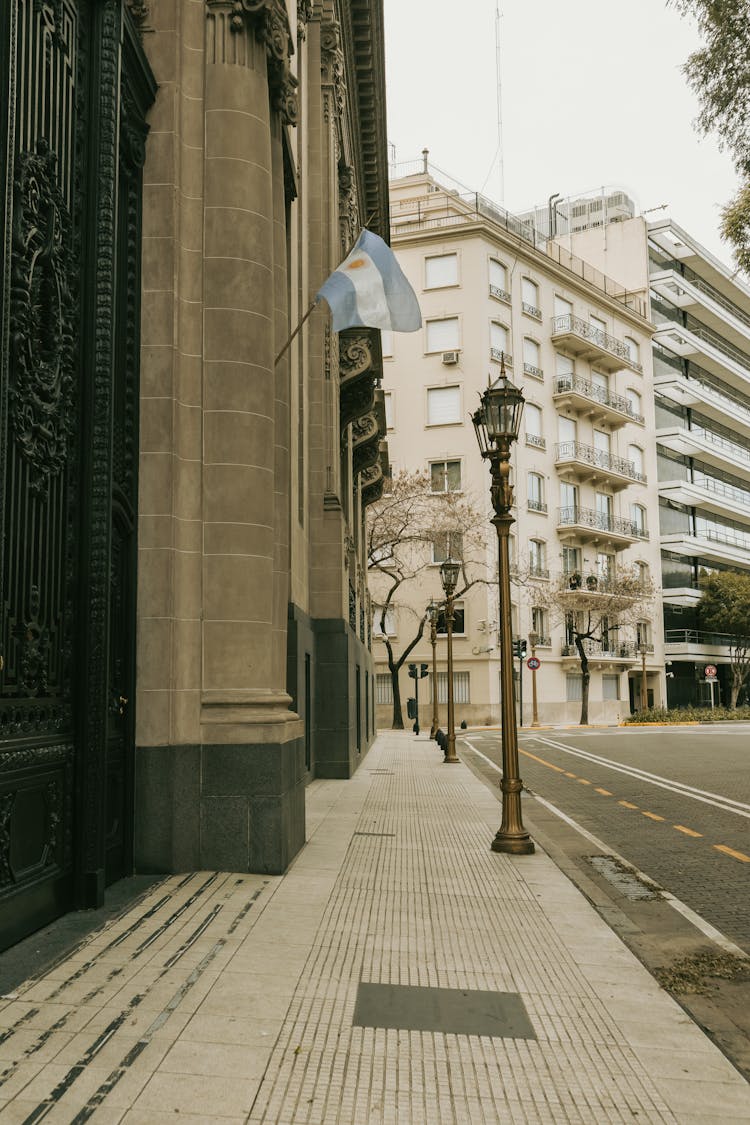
x,y
51,13
332,64
139,12
42,318
304,15
33,651
372,484
348,209
269,22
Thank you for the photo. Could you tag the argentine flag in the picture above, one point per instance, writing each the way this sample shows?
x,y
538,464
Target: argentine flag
x,y
369,290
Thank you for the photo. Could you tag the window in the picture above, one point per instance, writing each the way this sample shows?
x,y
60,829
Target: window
x,y
539,624
537,556
530,297
638,518
571,560
633,348
443,335
603,509
563,307
568,494
445,476
563,364
602,441
601,382
386,342
642,569
605,565
597,323
458,619
499,341
498,280
388,396
533,420
390,622
642,633
447,545
443,405
460,687
635,454
634,402
531,357
573,687
610,687
440,271
567,432
383,688
535,492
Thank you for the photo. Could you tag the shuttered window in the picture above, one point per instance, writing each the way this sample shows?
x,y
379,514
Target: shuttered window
x,y
443,335
443,405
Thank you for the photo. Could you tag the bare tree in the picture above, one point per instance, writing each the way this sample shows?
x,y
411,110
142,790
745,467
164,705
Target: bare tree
x,y
596,612
406,529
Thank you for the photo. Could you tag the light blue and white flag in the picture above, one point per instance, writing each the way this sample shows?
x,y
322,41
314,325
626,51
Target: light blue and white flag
x,y
369,290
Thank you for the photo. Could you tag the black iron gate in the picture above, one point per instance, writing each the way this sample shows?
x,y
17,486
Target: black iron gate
x,y
72,136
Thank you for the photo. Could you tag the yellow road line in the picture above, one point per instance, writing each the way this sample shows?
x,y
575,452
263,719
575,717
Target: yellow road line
x,y
569,774
687,831
730,851
604,792
627,805
583,781
557,769
652,815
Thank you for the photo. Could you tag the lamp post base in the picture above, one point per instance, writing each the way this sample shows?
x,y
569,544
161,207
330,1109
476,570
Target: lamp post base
x,y
512,844
450,758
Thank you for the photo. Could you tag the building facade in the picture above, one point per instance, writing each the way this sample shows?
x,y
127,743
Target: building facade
x,y
184,629
579,344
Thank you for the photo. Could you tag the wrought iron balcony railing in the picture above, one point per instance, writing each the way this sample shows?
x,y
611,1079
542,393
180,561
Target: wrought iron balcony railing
x,y
500,294
699,637
537,571
577,451
531,369
573,516
498,354
606,650
531,310
597,394
536,506
574,325
536,440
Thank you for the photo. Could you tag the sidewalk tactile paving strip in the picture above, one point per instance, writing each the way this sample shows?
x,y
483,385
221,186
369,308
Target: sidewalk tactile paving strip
x,y
232,998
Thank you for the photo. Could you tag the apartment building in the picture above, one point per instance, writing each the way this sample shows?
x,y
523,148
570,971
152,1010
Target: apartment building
x,y
701,365
492,287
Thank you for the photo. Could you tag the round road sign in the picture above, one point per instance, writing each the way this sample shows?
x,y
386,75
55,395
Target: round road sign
x,y
710,670
533,663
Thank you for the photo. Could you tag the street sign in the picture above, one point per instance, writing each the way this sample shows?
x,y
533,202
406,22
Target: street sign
x,y
533,663
709,671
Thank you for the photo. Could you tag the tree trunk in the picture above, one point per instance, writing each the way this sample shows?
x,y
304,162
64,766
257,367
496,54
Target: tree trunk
x,y
585,679
398,718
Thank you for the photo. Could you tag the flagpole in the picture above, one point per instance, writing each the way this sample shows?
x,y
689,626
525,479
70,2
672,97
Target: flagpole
x,y
309,313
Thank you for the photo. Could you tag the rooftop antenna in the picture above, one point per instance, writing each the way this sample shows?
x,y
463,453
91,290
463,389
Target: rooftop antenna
x,y
498,68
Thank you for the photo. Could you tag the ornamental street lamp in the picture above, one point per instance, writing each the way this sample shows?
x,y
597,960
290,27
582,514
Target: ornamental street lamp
x,y
534,641
496,423
432,616
643,649
449,577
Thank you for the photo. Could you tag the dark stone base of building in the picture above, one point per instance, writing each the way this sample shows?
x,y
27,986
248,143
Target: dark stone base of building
x,y
226,808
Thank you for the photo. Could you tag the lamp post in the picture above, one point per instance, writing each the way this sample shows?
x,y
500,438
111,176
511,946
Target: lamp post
x,y
534,641
643,649
449,577
496,423
432,616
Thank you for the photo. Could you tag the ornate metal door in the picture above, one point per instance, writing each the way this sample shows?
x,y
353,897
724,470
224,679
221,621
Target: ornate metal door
x,y
66,518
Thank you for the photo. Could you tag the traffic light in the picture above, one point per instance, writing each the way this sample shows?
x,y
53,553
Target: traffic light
x,y
413,673
422,671
519,648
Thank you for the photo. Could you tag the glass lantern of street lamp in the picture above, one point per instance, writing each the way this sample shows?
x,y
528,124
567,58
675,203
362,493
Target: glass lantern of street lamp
x,y
449,575
498,419
432,613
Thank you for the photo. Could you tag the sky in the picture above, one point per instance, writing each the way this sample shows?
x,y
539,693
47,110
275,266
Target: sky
x,y
592,95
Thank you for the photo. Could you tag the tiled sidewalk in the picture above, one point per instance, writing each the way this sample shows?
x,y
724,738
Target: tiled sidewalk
x,y
231,998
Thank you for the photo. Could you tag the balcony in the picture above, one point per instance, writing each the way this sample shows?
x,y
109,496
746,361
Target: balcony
x,y
536,506
585,397
536,441
710,547
715,449
587,463
698,645
602,652
536,570
498,356
712,396
708,494
533,371
705,348
531,310
583,339
686,290
593,527
500,294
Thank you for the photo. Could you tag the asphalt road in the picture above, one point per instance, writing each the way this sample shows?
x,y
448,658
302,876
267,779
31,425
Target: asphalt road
x,y
674,803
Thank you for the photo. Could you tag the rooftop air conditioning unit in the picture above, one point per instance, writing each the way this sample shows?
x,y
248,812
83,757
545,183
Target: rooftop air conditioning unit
x,y
450,357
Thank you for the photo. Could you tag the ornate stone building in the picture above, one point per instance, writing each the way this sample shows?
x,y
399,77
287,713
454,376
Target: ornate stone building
x,y
184,621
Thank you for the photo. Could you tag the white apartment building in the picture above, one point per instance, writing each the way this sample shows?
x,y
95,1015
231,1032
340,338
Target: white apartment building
x,y
701,364
579,344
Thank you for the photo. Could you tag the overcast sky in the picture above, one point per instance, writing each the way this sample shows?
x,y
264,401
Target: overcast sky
x,y
592,95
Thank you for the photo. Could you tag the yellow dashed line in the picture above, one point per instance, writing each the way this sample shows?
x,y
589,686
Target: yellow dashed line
x,y
557,769
583,781
569,774
687,831
652,815
627,805
604,792
730,851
